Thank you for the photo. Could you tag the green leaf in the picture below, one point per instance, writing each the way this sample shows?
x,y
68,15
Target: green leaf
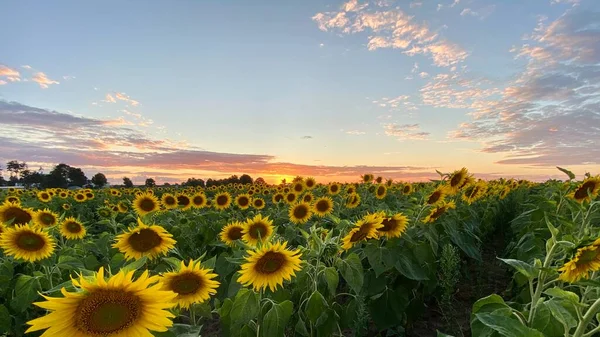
x,y
441,334
5,321
561,313
410,267
300,328
507,326
135,265
245,307
315,306
180,330
553,230
172,261
6,274
26,291
567,172
566,295
116,262
379,258
69,263
332,279
489,304
522,267
352,271
210,263
327,323
276,319
545,322
91,262
387,310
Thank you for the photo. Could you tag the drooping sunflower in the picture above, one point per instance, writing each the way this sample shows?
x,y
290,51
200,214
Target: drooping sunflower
x,y
72,229
269,266
300,212
106,212
258,203
363,230
407,189
116,307
191,283
323,206
389,182
10,211
310,183
242,201
277,197
27,243
80,197
393,226
145,203
586,260
353,200
367,177
168,200
123,208
232,232
199,200
504,191
379,179
380,192
457,178
44,196
45,218
333,188
291,197
474,192
257,229
222,200
144,240
586,190
437,211
437,195
308,197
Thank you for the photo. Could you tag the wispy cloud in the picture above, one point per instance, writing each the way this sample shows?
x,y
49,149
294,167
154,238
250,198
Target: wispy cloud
x,y
405,131
355,132
124,97
306,137
481,13
391,28
43,80
9,74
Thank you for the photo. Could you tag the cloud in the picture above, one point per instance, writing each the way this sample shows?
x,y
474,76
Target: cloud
x,y
109,99
306,137
9,74
468,11
355,132
550,113
391,28
481,13
68,77
2,82
405,131
28,67
123,97
43,80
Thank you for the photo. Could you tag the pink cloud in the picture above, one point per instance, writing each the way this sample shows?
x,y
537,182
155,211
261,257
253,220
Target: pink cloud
x,y
43,80
123,97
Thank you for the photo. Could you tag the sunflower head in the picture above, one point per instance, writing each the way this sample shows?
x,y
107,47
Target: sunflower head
x,y
393,226
44,196
310,183
323,206
242,201
257,229
380,191
474,192
143,240
13,199
105,212
27,243
199,200
145,203
352,200
363,230
407,189
222,200
269,266
80,197
586,190
123,208
45,218
169,201
300,212
72,229
232,232
258,203
183,201
308,197
456,180
13,213
333,188
291,197
277,197
367,177
437,195
66,207
191,283
118,306
585,260
437,211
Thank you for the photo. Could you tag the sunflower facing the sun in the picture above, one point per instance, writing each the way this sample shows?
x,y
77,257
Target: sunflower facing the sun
x,y
45,218
144,240
586,260
145,203
300,212
191,283
169,201
269,266
222,201
72,229
364,229
232,232
323,206
393,226
27,243
12,211
115,307
257,229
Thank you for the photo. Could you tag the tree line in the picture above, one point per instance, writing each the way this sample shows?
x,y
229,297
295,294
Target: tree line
x,y
65,176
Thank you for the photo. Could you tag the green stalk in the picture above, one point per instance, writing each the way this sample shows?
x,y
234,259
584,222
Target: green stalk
x,y
587,318
540,284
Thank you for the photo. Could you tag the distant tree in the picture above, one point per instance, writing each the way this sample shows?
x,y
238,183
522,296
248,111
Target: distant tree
x,y
99,180
150,182
260,180
76,177
246,179
193,182
32,177
2,181
210,182
14,167
167,184
58,177
127,182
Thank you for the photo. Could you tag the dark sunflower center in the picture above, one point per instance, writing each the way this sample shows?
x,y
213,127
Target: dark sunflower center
x,y
222,200
438,212
243,201
183,200
105,312
406,189
434,197
170,200
30,241
380,190
474,192
334,188
257,230
585,189
19,215
45,196
307,198
270,262
47,219
359,235
278,197
388,225
258,203
73,227
234,233
455,180
147,205
322,206
198,200
298,188
89,195
144,240
291,197
187,283
310,183
300,212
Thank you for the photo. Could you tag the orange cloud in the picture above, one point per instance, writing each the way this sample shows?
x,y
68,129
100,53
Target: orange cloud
x,y
43,80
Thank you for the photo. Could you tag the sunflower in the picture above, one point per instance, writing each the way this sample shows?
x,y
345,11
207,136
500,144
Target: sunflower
x,y
300,212
353,200
437,195
437,211
474,192
13,199
72,229
258,203
199,200
10,211
144,240
106,212
298,187
168,200
257,229
44,196
504,190
291,197
457,178
79,197
145,203
588,189
191,283
89,195
117,307
308,197
380,192
66,207
27,243
310,183
389,182
45,218
333,188
232,232
277,197
393,226
222,200
351,189
63,194
363,230
123,208
367,177
585,260
323,206
269,266
242,201
407,189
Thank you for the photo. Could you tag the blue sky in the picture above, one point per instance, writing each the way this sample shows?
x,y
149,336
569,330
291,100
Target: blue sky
x,y
308,85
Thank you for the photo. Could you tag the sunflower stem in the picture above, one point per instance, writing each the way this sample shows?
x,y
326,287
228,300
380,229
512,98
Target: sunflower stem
x,y
582,326
540,284
193,315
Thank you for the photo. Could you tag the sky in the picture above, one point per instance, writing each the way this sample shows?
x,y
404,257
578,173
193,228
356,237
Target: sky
x,y
329,89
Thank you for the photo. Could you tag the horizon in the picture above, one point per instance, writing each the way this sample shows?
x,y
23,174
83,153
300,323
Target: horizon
x,y
332,89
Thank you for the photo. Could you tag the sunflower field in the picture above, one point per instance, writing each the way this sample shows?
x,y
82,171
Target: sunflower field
x,y
372,258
